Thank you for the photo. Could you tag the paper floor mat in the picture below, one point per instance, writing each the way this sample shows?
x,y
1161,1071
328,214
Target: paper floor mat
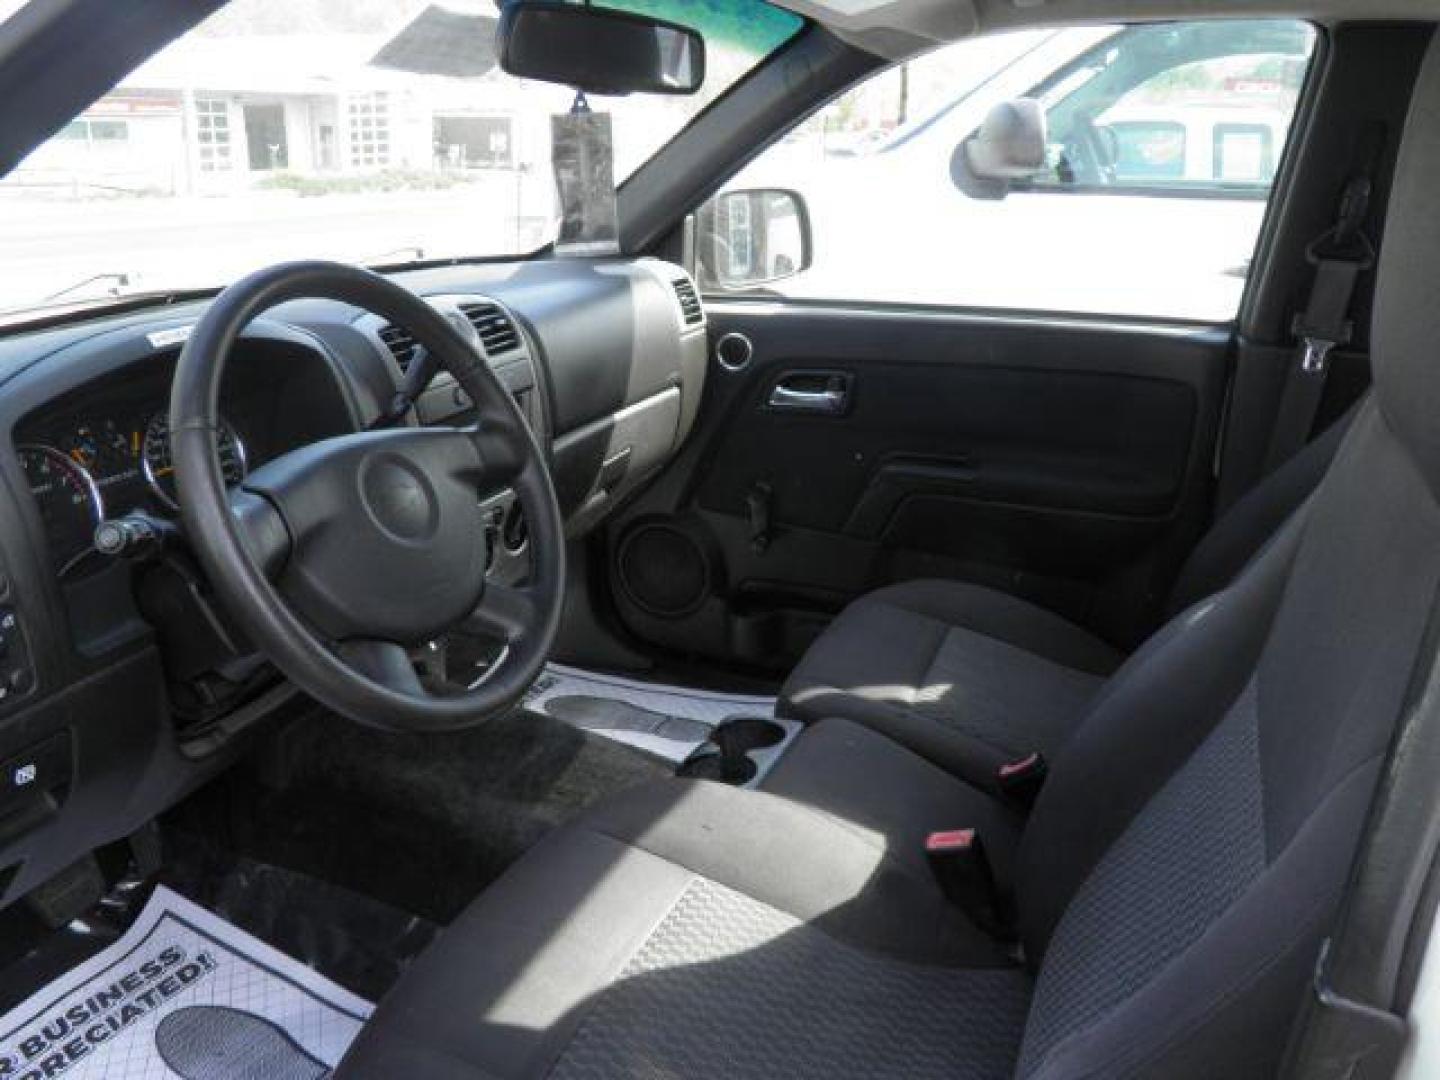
x,y
183,994
674,719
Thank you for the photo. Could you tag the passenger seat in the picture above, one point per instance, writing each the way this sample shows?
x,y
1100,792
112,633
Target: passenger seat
x,y
972,678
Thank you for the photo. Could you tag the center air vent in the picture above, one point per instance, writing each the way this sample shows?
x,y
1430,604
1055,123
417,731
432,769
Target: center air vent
x,y
497,332
689,302
400,343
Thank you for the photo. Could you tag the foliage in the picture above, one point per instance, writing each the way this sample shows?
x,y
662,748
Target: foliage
x,y
385,180
752,26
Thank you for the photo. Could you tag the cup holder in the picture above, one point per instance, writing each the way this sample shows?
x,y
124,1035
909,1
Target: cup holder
x,y
706,764
747,732
726,755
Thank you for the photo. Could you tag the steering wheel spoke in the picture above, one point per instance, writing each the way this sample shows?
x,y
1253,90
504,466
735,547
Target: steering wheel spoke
x,y
504,612
383,662
503,453
262,530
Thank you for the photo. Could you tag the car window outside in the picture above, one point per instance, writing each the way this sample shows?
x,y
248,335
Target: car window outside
x,y
374,131
1163,144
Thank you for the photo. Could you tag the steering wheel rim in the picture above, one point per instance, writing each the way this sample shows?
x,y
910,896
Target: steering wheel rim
x,y
395,500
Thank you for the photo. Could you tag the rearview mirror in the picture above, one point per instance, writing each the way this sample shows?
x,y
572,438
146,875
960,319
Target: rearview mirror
x,y
1010,145
750,238
599,51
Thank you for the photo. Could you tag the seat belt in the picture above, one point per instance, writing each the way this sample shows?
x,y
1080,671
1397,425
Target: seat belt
x,y
1340,255
962,870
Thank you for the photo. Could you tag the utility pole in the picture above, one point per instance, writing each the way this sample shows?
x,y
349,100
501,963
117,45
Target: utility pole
x,y
189,125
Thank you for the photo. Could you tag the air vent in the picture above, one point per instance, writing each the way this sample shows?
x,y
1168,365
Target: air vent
x,y
497,332
400,343
689,302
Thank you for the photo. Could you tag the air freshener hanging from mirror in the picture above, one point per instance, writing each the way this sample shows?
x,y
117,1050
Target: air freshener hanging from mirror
x,y
583,157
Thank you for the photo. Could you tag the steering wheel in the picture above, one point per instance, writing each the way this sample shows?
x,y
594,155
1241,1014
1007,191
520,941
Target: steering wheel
x,y
338,557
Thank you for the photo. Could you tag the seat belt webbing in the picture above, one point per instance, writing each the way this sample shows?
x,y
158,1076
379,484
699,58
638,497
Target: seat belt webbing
x,y
1340,255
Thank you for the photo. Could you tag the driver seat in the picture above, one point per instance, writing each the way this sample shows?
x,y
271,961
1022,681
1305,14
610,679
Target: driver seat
x,y
1172,885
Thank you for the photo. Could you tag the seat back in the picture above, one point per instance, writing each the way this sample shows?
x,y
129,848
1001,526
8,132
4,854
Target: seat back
x,y
1189,852
1240,532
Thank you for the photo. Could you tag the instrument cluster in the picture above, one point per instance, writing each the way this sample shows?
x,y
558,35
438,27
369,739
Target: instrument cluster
x,y
107,466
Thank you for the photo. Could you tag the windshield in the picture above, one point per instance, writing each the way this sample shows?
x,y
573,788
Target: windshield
x,y
370,131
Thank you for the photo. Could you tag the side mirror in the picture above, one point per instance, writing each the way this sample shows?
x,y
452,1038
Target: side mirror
x,y
1010,145
753,237
597,50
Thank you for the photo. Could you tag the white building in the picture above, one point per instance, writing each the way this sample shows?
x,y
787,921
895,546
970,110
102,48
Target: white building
x,y
213,114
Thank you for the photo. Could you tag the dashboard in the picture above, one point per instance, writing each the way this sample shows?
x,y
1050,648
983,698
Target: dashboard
x,y
109,455
123,683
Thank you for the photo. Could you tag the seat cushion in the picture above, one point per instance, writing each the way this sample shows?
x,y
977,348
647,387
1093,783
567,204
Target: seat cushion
x,y
696,930
966,676
873,783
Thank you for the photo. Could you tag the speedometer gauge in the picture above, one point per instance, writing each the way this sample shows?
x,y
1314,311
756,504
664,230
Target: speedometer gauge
x,y
159,467
69,502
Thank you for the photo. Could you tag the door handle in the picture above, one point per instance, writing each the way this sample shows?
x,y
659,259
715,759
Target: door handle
x,y
814,392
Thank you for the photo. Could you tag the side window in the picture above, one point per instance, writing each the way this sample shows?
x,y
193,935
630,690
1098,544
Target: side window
x,y
1194,107
1144,197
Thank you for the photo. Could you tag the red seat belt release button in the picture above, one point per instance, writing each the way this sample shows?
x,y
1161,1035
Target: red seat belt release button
x,y
955,840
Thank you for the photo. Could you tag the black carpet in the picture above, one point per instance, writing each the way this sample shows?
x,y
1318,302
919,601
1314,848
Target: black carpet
x,y
362,943
345,847
419,822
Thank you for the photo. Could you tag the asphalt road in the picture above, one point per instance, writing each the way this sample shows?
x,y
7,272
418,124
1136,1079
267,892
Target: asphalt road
x,y
48,245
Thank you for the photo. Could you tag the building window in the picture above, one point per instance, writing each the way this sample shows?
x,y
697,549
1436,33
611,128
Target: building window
x,y
468,142
91,132
213,131
369,130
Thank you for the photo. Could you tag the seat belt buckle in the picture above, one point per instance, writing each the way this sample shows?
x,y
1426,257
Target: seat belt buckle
x,y
1315,357
962,870
1319,342
1020,781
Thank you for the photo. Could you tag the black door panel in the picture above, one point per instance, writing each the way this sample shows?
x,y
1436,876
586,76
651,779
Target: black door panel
x,y
1031,435
1068,461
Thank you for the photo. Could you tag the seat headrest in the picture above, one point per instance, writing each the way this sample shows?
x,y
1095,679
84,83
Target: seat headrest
x,y
1405,337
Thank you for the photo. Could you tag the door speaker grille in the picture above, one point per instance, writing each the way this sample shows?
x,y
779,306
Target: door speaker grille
x,y
664,568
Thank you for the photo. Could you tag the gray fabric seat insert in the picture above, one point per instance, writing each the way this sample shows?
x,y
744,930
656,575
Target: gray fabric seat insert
x,y
744,990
